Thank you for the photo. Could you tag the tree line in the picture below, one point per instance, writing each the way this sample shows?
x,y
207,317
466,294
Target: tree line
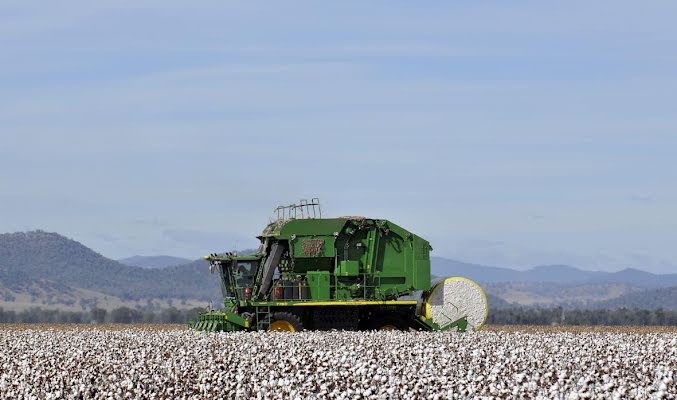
x,y
122,315
562,316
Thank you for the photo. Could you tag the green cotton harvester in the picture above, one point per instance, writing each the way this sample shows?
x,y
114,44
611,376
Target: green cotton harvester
x,y
352,273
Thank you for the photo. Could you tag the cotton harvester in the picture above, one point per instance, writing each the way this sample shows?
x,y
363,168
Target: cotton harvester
x,y
338,273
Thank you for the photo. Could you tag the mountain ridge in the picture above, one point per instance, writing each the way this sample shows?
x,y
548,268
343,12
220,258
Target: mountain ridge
x,y
549,273
41,268
26,257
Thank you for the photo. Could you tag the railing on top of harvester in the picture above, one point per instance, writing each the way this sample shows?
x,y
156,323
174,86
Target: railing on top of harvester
x,y
305,209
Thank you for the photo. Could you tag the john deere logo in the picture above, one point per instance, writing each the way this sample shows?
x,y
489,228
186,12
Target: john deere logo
x,y
313,247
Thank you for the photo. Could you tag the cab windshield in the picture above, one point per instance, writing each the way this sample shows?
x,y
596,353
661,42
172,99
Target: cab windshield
x,y
236,277
244,272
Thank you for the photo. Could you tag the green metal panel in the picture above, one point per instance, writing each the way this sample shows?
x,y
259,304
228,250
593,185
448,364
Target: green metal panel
x,y
318,284
303,265
394,260
421,276
348,268
401,254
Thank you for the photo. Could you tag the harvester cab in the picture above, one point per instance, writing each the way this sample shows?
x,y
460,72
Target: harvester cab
x,y
237,275
338,273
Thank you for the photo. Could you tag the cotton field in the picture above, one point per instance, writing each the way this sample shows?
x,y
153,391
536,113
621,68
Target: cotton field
x,y
145,362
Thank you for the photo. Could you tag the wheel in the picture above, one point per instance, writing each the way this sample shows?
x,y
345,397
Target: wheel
x,y
386,323
285,322
388,327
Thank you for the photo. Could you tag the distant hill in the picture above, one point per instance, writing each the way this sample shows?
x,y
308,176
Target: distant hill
x,y
651,299
587,297
496,302
154,261
561,274
638,277
47,267
562,285
581,295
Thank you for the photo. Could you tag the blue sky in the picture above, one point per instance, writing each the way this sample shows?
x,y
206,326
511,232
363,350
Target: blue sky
x,y
507,134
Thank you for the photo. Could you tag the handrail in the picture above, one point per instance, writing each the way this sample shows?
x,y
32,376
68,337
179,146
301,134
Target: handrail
x,y
305,209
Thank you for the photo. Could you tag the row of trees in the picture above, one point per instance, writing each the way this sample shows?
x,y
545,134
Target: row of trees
x,y
561,316
124,315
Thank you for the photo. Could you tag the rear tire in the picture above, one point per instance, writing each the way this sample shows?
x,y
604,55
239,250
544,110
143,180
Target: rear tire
x,y
386,323
285,322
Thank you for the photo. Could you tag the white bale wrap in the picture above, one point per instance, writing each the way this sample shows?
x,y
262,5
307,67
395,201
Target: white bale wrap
x,y
455,298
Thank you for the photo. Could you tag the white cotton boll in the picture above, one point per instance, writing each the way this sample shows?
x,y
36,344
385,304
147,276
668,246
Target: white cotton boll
x,y
147,363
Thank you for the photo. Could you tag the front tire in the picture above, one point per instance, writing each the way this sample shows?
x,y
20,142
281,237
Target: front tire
x,y
285,322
